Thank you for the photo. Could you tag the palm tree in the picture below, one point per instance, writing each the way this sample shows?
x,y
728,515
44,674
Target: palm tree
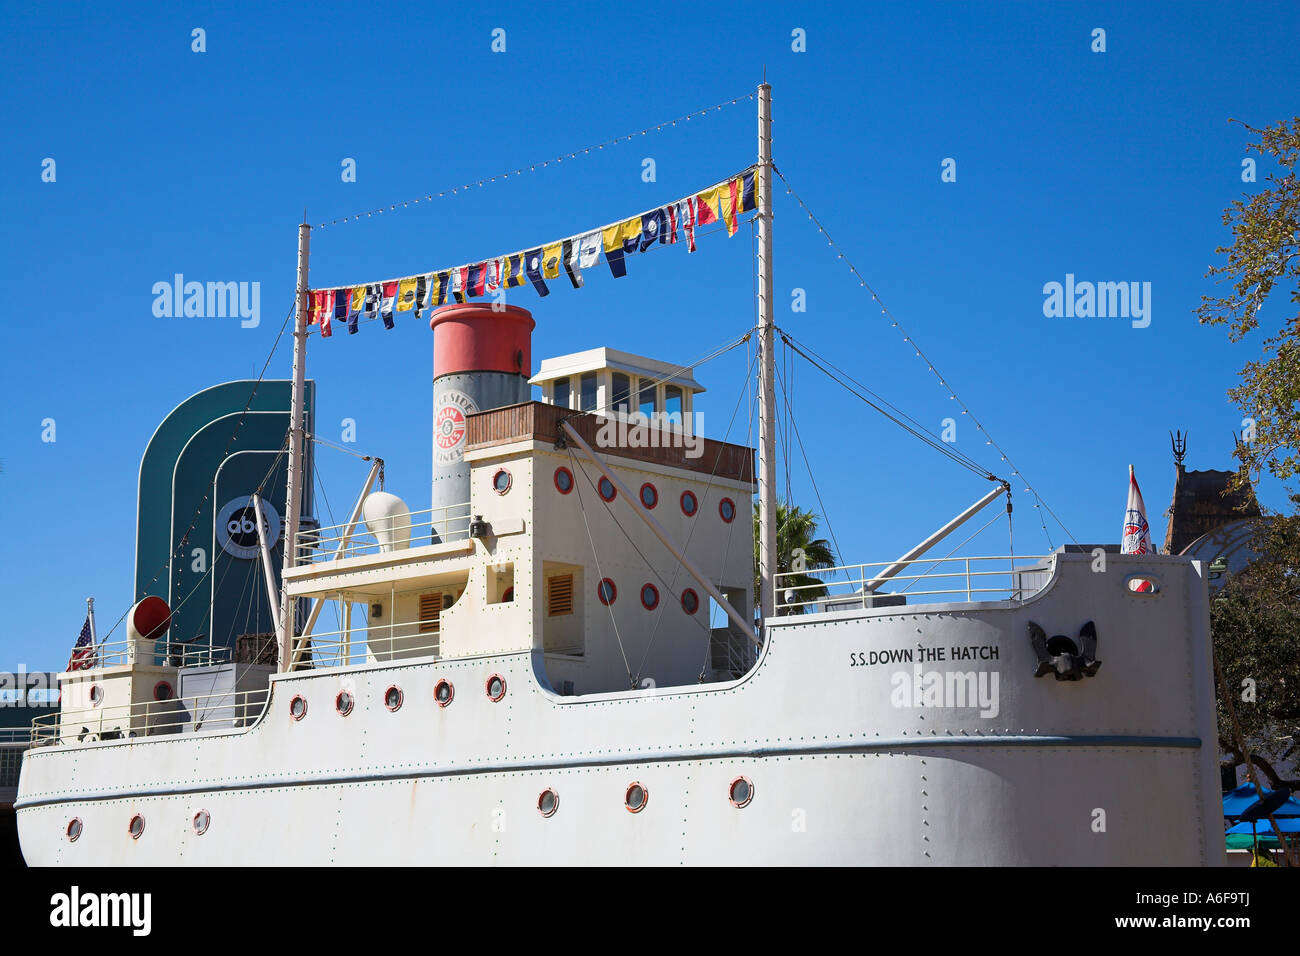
x,y
799,550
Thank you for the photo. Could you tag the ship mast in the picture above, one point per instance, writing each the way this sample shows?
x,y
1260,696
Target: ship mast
x,y
767,367
293,486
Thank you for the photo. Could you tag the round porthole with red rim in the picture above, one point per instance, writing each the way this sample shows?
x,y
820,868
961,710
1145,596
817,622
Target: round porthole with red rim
x,y
649,495
136,827
689,504
649,597
563,480
495,687
393,698
636,797
96,695
607,591
727,509
443,692
501,481
202,820
690,601
344,703
741,792
548,801
73,830
162,691
298,707
606,488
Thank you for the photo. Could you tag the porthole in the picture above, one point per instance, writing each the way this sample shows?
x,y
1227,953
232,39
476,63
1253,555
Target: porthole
x,y
649,597
162,691
548,802
202,820
563,480
741,792
607,591
74,829
606,488
501,481
636,797
96,695
344,703
689,504
443,692
136,827
649,495
690,601
495,686
393,698
727,509
298,707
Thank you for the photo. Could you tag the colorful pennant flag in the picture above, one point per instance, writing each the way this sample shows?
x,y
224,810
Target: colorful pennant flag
x,y
724,202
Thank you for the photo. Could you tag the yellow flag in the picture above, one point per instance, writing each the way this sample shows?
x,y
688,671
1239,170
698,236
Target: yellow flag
x,y
730,205
406,295
551,260
358,298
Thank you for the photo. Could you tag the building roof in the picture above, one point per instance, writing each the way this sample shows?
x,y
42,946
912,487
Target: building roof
x,y
594,360
1200,505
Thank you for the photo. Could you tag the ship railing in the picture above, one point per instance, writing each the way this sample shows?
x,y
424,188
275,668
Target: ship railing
x,y
126,651
396,533
369,644
922,581
191,714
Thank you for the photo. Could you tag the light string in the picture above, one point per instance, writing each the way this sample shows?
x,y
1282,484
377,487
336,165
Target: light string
x,y
531,167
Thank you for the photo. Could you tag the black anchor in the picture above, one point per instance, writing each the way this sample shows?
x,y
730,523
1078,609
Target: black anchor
x,y
1061,656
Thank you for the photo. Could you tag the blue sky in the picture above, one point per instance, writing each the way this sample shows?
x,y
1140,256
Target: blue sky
x,y
1111,166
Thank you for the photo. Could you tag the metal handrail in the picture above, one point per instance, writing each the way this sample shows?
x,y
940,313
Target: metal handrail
x,y
430,526
396,641
126,651
221,711
984,577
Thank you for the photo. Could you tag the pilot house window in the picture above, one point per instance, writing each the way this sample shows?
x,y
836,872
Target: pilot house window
x,y
430,611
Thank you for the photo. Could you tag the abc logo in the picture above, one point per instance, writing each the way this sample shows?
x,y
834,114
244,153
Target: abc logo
x,y
242,528
237,528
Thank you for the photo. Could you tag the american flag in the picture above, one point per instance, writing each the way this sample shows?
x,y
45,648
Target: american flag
x,y
83,652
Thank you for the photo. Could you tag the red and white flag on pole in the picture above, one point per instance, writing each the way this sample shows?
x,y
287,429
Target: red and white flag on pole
x,y
1137,533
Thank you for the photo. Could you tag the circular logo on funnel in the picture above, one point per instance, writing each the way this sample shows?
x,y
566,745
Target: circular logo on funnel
x,y
237,527
449,426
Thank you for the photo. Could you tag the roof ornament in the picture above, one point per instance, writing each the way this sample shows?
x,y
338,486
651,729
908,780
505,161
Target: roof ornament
x,y
1179,443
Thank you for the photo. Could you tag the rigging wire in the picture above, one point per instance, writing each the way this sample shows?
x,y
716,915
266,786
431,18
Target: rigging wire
x,y
901,420
600,574
199,507
1040,503
531,167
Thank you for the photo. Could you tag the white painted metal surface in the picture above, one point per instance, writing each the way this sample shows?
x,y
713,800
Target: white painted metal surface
x,y
843,770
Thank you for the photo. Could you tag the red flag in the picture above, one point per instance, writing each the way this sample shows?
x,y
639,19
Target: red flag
x,y
328,298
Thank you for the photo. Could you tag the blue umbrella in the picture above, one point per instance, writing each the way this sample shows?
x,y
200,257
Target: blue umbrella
x,y
1236,802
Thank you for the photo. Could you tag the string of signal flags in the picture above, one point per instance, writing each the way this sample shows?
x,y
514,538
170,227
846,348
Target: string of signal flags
x,y
723,203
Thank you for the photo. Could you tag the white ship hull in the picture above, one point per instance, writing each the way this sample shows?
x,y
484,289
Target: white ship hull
x,y
1116,769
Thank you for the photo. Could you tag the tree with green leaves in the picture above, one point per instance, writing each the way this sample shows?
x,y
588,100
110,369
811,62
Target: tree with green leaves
x,y
1265,257
1255,620
798,550
1256,616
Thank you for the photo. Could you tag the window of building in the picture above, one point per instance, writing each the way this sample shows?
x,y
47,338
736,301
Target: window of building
x,y
622,393
562,393
559,595
647,400
673,400
587,392
430,612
